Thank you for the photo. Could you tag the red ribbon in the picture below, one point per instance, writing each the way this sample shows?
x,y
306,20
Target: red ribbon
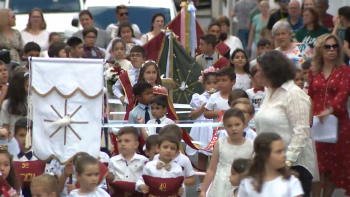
x,y
261,89
4,191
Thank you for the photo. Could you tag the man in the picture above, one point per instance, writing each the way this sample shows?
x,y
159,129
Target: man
x,y
294,18
121,13
241,10
326,19
253,13
281,14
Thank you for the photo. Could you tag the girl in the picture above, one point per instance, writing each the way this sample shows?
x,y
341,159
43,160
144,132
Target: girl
x,y
8,176
126,33
239,170
226,150
88,174
150,73
118,50
203,134
268,174
44,185
15,106
239,61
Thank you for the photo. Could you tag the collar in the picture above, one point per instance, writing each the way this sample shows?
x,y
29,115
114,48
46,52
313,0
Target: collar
x,y
121,157
86,47
300,20
288,85
142,106
246,129
162,119
133,70
205,55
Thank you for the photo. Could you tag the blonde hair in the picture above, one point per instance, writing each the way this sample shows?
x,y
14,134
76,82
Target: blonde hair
x,y
317,59
4,18
43,23
48,182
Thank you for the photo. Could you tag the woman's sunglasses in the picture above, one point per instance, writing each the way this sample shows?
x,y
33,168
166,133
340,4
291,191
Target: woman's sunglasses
x,y
328,47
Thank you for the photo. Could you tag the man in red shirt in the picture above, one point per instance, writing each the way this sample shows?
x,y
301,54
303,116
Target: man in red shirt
x,y
326,19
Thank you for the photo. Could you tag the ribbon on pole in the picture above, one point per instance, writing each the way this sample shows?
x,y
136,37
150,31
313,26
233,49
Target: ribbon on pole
x,y
192,28
183,24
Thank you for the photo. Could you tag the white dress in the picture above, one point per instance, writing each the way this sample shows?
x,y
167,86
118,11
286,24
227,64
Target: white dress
x,y
202,134
242,82
146,37
97,193
221,185
42,39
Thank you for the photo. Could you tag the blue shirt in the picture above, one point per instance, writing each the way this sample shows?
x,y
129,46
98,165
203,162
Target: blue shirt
x,y
139,111
297,26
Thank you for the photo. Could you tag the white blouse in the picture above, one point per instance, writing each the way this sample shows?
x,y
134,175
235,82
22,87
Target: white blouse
x,y
286,112
98,192
42,39
146,37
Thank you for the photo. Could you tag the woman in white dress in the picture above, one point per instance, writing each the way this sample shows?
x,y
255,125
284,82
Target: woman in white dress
x,y
231,41
36,30
158,22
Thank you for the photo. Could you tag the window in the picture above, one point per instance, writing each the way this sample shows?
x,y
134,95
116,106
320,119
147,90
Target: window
x,y
142,16
47,6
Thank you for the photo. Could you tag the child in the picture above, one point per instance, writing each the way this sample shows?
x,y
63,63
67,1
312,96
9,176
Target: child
x,y
305,69
57,50
239,61
202,134
126,33
222,48
44,185
32,49
158,109
151,146
268,173
264,45
236,94
164,172
4,77
226,150
8,177
90,50
76,47
88,175
239,170
209,57
226,79
258,92
299,79
248,109
119,50
54,37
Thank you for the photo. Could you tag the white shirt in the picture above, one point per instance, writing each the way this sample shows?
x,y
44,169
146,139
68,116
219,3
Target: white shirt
x,y
45,54
217,103
112,30
118,88
124,171
253,63
287,114
256,98
242,82
104,158
183,161
146,37
278,187
234,43
97,193
42,39
152,130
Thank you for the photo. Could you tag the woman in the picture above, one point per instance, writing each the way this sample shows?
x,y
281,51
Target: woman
x,y
297,52
329,90
231,41
259,21
87,20
158,21
35,30
10,38
285,111
312,28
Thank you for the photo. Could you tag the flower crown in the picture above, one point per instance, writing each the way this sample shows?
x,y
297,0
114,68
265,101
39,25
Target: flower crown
x,y
149,61
208,70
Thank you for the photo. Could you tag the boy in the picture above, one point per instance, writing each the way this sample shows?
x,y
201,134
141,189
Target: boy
x,y
258,92
151,146
26,158
127,166
129,79
209,56
299,79
226,79
32,49
161,173
264,45
57,50
53,37
305,69
76,47
89,49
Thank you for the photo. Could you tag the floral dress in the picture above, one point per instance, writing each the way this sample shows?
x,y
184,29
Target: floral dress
x,y
14,44
298,54
334,92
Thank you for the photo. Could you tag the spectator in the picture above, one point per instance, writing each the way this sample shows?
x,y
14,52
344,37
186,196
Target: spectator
x,y
253,13
308,4
325,18
231,41
241,10
87,20
53,37
282,13
36,30
294,18
121,13
158,22
343,19
90,50
312,28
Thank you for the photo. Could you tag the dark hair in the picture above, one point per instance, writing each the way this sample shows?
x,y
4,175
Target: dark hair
x,y
12,176
241,165
316,17
263,42
227,71
120,7
262,149
83,161
234,112
16,95
2,63
129,130
143,70
345,12
86,12
215,23
253,71
246,66
207,75
140,87
171,129
246,102
89,30
123,25
52,34
74,42
276,67
306,65
209,39
151,141
22,123
160,100
297,70
154,19
138,49
169,137
49,183
31,46
236,94
116,41
55,48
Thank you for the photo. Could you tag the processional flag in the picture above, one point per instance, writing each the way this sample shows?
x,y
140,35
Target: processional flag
x,y
67,100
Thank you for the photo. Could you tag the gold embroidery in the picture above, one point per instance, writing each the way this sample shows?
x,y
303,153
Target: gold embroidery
x,y
162,187
25,165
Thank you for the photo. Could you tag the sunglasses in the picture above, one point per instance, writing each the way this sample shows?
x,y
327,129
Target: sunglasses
x,y
124,14
328,47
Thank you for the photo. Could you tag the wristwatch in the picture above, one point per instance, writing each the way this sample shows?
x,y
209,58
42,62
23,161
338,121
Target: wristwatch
x,y
289,163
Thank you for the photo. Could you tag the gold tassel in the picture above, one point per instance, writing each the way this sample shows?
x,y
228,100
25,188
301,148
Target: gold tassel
x,y
103,140
28,139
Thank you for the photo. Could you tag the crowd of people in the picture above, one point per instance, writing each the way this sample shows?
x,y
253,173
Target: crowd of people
x,y
286,67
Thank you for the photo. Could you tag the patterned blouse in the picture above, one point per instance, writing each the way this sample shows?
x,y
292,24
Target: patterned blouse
x,y
14,44
298,54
